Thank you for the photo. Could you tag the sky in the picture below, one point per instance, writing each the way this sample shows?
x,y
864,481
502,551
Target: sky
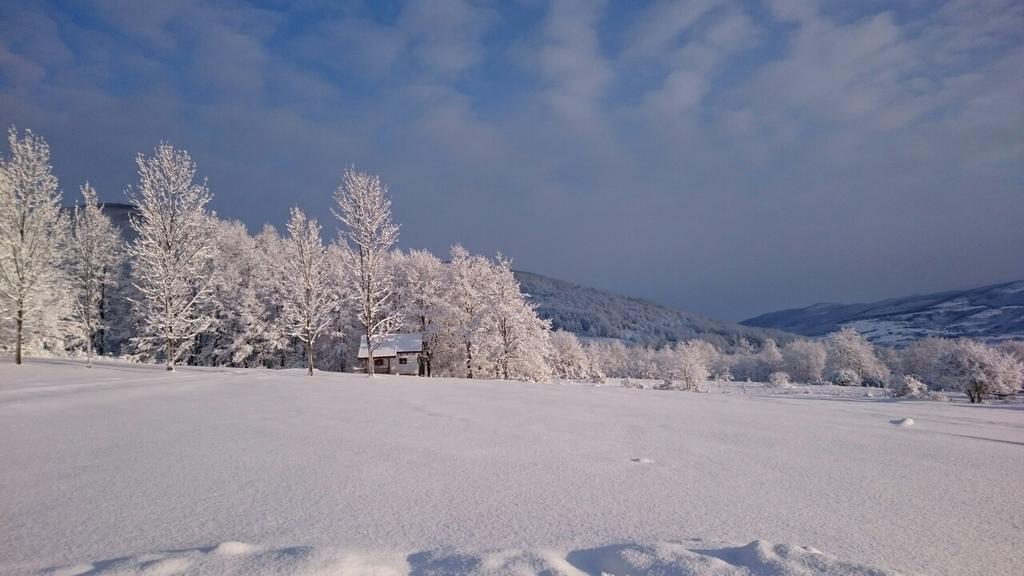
x,y
726,157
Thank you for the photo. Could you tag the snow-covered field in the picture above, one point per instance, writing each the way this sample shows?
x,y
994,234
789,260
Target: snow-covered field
x,y
126,469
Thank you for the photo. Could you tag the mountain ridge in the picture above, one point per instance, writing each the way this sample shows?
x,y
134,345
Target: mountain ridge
x,y
992,313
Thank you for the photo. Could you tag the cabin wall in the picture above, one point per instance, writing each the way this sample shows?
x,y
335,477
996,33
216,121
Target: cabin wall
x,y
394,365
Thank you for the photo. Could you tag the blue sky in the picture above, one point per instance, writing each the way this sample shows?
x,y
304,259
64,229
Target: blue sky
x,y
726,157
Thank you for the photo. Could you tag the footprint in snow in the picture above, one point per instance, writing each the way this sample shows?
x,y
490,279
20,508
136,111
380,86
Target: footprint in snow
x,y
641,460
903,422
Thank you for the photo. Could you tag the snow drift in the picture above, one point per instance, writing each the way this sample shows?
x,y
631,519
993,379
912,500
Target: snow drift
x,y
237,558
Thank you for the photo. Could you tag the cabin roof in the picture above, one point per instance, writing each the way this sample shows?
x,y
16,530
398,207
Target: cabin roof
x,y
392,345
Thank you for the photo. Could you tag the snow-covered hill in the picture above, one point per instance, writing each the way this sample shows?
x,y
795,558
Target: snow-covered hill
x,y
990,313
127,469
593,313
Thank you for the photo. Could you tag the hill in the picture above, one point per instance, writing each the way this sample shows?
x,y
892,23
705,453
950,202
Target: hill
x,y
989,313
593,313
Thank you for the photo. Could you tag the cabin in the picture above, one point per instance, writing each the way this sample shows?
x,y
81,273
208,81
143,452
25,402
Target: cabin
x,y
394,354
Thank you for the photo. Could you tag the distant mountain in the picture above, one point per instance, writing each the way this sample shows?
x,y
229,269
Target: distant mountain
x,y
592,313
120,215
990,313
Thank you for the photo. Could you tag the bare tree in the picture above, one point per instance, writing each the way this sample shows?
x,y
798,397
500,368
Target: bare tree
x,y
93,255
31,229
365,210
173,253
309,298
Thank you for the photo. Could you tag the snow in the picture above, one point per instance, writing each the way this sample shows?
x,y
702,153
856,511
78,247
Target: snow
x,y
127,469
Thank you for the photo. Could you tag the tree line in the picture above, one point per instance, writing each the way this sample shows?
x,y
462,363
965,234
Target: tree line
x,y
924,369
189,287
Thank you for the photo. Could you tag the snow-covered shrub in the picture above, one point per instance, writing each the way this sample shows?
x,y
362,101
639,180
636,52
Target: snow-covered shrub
x,y
779,379
909,386
979,370
846,377
627,383
848,351
804,360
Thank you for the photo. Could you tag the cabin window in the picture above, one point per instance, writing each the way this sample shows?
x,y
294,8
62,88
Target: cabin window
x,y
378,361
403,360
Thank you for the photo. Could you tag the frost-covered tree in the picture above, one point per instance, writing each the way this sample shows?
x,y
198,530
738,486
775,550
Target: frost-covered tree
x,y
804,360
567,357
980,370
421,301
744,362
615,359
466,319
1014,348
31,232
694,358
849,353
922,358
686,365
243,331
94,253
269,335
309,298
520,336
365,211
769,359
173,251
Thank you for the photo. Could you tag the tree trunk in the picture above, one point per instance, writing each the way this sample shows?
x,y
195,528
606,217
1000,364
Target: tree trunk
x,y
101,334
309,357
170,354
88,346
469,360
369,354
19,331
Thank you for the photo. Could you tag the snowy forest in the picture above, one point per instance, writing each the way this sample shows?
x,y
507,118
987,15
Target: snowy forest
x,y
182,286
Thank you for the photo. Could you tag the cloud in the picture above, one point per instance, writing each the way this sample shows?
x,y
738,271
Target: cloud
x,y
716,155
569,60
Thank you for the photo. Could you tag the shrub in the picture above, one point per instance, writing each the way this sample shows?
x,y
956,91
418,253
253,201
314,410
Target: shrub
x,y
779,380
847,377
980,370
909,386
